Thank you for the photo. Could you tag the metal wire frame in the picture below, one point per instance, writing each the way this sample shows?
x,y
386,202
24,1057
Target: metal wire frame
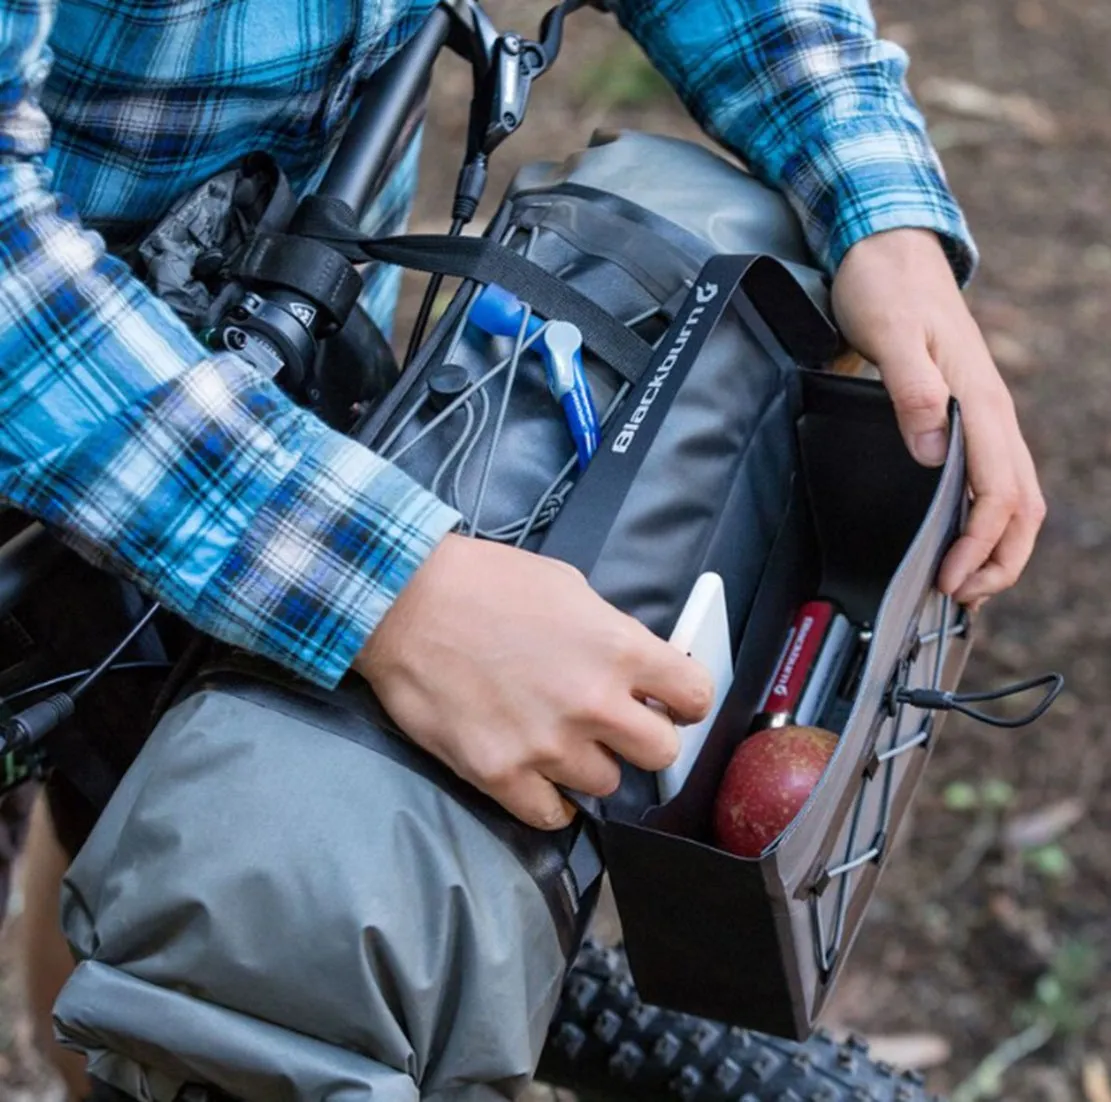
x,y
881,770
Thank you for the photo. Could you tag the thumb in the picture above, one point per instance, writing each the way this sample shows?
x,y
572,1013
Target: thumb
x,y
921,398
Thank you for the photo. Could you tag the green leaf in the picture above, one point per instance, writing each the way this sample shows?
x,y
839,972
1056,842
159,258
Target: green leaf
x,y
996,793
961,796
1049,991
1050,861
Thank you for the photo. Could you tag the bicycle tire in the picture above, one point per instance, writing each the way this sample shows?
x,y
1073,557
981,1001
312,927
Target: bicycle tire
x,y
605,1044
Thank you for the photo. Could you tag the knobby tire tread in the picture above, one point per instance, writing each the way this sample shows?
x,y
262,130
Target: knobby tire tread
x,y
605,1045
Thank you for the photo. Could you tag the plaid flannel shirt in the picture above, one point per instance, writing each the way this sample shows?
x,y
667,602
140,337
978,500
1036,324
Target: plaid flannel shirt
x,y
190,473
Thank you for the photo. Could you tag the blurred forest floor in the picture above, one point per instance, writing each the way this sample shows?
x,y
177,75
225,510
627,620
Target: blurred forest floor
x,y
993,923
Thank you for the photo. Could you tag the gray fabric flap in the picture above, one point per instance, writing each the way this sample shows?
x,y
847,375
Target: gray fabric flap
x,y
108,1011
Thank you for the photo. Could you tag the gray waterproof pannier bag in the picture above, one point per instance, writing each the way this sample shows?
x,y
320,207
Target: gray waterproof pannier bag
x,y
285,899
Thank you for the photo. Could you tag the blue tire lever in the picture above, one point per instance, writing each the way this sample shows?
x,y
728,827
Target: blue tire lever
x,y
499,313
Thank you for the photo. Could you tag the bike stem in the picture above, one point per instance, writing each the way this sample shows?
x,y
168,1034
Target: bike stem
x,y
386,107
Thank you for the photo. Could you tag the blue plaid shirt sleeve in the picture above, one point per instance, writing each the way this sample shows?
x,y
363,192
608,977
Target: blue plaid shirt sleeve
x,y
189,473
817,105
192,474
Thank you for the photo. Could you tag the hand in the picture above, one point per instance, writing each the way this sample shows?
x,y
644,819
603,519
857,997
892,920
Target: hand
x,y
898,304
512,670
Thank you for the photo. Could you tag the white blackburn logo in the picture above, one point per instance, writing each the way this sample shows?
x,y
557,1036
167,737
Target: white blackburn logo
x,y
704,295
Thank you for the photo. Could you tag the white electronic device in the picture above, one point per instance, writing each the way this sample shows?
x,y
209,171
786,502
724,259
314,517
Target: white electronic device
x,y
702,631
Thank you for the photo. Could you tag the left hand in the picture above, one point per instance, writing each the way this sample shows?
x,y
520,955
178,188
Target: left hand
x,y
898,304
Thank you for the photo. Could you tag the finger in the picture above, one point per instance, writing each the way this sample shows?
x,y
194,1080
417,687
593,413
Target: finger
x,y
534,800
1001,476
921,398
681,684
987,521
1007,561
642,735
593,770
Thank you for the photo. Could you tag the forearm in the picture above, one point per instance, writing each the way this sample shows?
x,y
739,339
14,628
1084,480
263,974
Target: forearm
x,y
188,473
815,104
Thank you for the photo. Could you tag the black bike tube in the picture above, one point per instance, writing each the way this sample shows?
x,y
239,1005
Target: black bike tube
x,y
386,106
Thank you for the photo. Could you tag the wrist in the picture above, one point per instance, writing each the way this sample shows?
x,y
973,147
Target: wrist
x,y
382,644
901,246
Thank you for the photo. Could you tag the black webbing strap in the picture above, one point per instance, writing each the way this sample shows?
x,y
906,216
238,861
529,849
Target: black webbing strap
x,y
646,257
486,261
306,266
584,523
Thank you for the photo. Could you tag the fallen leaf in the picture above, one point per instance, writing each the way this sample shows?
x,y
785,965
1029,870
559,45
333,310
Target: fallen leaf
x,y
1052,1082
849,363
1031,15
1023,934
918,1051
1045,825
1097,1086
961,97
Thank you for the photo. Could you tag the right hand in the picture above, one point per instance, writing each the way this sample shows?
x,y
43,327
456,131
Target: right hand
x,y
509,668
898,304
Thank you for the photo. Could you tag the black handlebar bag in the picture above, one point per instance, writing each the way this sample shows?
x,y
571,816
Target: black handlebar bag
x,y
287,899
730,448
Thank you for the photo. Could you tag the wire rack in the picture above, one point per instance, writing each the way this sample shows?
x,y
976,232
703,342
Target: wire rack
x,y
907,729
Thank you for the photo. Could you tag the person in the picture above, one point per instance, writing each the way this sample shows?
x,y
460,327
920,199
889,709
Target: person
x,y
191,474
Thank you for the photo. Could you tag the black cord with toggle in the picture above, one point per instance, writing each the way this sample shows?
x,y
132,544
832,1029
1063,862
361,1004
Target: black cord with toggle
x,y
935,700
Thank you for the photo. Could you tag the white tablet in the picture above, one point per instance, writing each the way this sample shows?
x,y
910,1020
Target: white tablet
x,y
702,631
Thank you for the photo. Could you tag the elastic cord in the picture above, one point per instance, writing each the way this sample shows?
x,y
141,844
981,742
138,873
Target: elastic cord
x,y
503,409
936,700
465,458
74,675
453,405
459,444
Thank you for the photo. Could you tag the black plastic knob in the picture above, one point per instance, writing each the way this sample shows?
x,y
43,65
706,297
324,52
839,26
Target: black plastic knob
x,y
445,384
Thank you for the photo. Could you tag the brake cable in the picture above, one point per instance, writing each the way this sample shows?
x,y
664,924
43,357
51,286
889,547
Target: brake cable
x,y
504,71
76,675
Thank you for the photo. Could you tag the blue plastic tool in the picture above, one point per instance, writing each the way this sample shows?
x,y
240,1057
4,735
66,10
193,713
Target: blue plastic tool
x,y
499,313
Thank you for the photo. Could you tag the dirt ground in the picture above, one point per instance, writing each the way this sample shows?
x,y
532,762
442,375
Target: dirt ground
x,y
991,935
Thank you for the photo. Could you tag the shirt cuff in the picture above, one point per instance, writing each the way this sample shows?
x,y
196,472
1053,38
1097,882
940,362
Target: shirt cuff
x,y
324,558
865,176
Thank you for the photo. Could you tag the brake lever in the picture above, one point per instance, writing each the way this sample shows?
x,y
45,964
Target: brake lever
x,y
505,92
510,63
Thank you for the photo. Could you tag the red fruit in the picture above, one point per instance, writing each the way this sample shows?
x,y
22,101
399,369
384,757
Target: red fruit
x,y
769,778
